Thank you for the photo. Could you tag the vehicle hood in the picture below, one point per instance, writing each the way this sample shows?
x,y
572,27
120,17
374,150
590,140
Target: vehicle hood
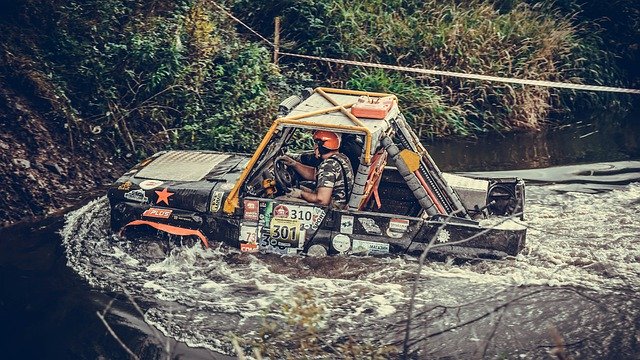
x,y
188,180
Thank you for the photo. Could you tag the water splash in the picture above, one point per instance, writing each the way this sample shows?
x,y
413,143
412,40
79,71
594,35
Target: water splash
x,y
199,296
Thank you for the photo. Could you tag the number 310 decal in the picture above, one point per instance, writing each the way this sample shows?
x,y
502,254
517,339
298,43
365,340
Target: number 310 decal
x,y
300,215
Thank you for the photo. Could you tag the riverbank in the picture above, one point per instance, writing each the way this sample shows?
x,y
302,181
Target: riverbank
x,y
42,172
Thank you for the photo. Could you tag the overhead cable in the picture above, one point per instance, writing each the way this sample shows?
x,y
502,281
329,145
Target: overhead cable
x,y
553,84
470,76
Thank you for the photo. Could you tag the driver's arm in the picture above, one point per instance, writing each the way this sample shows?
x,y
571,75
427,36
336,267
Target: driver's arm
x,y
322,196
305,171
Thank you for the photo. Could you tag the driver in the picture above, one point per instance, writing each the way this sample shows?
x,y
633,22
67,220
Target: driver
x,y
333,176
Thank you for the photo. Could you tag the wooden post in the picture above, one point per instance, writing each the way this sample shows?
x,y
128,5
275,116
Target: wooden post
x,y
276,40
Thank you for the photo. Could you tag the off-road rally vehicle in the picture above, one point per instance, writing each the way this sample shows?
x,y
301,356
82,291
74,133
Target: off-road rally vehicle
x,y
398,203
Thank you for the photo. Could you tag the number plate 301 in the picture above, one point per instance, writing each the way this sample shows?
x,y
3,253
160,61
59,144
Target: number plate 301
x,y
285,230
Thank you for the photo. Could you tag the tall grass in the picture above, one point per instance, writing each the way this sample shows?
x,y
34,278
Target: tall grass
x,y
519,40
147,75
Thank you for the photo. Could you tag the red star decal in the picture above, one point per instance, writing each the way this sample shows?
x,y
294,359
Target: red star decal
x,y
163,196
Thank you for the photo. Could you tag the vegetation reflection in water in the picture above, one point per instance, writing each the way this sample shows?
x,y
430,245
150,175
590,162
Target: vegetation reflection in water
x,y
595,139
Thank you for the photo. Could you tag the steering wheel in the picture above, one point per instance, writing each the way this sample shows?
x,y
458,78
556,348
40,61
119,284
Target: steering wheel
x,y
285,175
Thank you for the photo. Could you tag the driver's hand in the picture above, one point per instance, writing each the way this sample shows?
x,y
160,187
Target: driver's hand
x,y
295,193
288,160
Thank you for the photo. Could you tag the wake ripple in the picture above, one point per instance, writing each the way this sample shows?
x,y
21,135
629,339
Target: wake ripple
x,y
197,296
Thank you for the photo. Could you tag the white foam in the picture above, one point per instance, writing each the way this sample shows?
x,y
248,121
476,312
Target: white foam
x,y
574,239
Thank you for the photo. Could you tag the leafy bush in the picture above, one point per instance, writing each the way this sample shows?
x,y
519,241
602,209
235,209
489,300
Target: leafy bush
x,y
421,104
150,75
158,75
508,38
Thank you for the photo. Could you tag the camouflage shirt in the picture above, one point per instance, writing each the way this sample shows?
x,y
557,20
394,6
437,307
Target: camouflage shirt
x,y
330,174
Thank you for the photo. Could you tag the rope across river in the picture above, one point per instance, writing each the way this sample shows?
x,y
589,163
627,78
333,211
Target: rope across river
x,y
553,84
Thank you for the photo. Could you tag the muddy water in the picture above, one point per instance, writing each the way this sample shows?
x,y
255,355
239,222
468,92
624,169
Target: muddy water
x,y
599,139
578,277
579,274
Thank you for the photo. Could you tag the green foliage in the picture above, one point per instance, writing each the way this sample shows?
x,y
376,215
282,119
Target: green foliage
x,y
505,38
150,75
422,105
608,51
154,76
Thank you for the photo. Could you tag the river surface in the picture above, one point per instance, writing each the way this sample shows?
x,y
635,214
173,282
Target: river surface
x,y
574,289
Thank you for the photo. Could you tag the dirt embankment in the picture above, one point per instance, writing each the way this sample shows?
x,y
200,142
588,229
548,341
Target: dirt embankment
x,y
40,168
47,162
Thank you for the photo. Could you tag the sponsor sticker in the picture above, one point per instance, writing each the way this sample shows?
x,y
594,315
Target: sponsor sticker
x,y
443,236
281,211
341,243
251,209
125,186
186,218
360,246
150,184
163,196
346,224
266,212
278,249
226,186
370,226
216,201
285,231
309,217
317,217
248,237
287,225
317,250
397,227
157,213
249,247
136,195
